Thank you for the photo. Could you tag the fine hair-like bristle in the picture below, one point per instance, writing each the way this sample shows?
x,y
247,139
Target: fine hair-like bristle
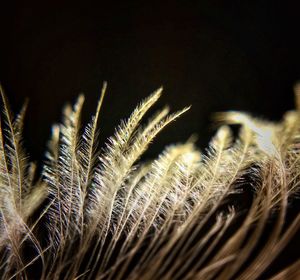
x,y
103,214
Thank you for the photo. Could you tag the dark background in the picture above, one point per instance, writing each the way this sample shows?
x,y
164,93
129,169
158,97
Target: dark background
x,y
215,55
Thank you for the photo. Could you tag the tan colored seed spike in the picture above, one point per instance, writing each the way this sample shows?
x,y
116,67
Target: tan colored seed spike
x,y
103,213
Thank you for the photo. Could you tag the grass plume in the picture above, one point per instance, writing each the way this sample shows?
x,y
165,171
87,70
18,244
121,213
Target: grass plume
x,y
103,214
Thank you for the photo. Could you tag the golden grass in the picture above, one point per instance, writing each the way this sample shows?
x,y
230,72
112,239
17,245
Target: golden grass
x,y
103,214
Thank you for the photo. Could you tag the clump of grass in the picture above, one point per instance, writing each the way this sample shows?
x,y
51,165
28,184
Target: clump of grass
x,y
102,214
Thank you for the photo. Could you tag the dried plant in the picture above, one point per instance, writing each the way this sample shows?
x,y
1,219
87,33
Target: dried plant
x,y
103,214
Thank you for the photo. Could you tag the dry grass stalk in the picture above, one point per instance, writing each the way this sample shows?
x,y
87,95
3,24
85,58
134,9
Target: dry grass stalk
x,y
103,214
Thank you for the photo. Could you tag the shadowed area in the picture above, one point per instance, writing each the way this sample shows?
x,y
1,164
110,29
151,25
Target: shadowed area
x,y
215,55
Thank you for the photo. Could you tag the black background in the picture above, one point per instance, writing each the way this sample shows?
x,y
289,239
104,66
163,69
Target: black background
x,y
215,55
